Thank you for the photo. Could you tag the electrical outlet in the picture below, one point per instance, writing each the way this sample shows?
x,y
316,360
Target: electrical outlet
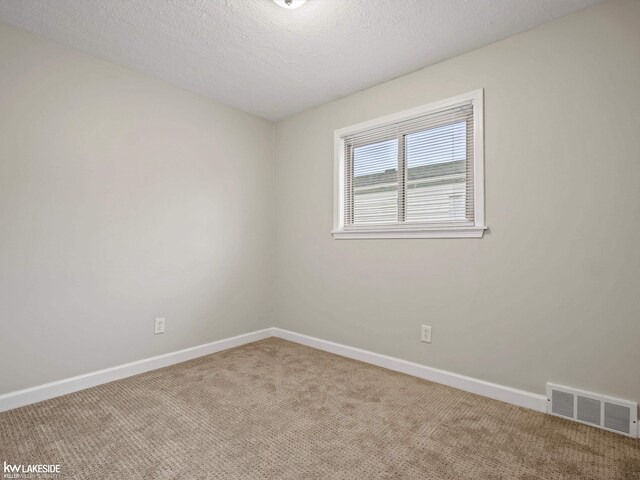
x,y
159,326
425,335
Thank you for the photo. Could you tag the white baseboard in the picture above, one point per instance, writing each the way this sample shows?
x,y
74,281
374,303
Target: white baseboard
x,y
514,396
39,393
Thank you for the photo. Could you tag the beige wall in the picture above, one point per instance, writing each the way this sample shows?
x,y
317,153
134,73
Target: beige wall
x,y
122,199
552,293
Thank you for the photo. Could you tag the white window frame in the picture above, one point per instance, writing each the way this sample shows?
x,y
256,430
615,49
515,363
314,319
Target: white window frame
x,y
414,230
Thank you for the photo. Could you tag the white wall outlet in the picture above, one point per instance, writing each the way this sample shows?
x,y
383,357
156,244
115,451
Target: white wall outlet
x,y
159,326
425,334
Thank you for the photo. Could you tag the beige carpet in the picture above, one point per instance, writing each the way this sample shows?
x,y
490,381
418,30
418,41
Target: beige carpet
x,y
277,410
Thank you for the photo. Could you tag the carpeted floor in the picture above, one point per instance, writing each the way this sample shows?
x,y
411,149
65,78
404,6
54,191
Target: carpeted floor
x,y
277,410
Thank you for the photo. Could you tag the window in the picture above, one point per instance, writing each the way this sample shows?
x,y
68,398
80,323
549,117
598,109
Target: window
x,y
415,174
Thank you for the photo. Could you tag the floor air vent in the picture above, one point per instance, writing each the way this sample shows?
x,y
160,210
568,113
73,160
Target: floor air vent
x,y
613,414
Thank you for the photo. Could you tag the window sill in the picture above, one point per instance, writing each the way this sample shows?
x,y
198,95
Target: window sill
x,y
416,232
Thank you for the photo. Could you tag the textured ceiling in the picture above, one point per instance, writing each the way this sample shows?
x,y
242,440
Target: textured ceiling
x,y
273,62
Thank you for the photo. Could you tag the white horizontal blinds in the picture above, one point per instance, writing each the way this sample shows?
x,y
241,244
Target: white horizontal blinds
x,y
418,170
439,162
371,177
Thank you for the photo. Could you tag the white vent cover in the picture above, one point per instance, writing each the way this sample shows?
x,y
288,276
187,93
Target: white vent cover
x,y
613,414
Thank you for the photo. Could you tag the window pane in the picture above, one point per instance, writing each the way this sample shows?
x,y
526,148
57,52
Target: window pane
x,y
436,174
375,183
